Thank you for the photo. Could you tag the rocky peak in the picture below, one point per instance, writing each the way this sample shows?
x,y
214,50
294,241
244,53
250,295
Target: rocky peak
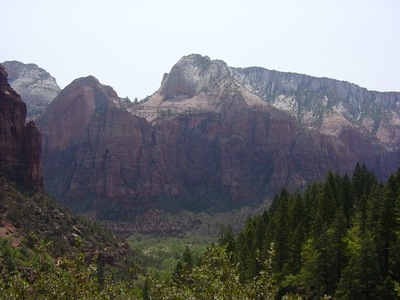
x,y
72,110
326,105
35,85
20,145
196,84
191,75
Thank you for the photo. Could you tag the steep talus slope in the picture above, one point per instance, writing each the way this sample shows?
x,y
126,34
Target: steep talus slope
x,y
211,137
20,144
36,86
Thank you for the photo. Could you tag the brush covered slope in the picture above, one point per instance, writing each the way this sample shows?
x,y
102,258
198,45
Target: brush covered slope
x,y
213,135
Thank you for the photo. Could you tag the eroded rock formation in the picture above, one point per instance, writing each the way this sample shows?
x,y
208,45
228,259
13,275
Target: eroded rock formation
x,y
35,85
212,134
20,144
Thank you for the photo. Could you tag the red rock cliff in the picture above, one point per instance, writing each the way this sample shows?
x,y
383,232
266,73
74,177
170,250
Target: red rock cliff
x,y
99,156
20,144
203,136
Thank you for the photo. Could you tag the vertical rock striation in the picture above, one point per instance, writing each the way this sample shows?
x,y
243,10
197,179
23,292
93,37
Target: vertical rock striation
x,y
20,144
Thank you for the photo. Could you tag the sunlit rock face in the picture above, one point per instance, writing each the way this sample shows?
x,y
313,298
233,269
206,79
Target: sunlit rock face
x,y
212,134
20,144
327,105
35,85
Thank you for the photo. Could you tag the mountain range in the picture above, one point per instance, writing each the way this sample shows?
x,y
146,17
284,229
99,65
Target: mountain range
x,y
212,137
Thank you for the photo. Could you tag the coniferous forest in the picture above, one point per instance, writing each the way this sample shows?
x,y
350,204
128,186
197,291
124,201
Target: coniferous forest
x,y
339,239
336,239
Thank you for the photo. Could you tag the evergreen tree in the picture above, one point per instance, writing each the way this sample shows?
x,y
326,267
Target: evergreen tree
x,y
325,210
297,211
187,258
281,232
247,252
338,243
227,238
297,215
363,181
180,275
388,224
260,236
346,198
333,180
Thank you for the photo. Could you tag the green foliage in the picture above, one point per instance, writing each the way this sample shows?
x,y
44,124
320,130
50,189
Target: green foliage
x,y
216,277
75,278
37,231
339,238
161,255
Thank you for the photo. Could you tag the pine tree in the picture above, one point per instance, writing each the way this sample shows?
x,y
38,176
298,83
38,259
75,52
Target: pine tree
x,y
281,232
346,199
338,244
388,224
247,254
260,236
361,277
187,259
333,180
180,275
228,240
325,210
297,219
363,181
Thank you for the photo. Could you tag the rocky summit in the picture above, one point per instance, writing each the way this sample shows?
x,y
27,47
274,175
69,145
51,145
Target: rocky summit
x,y
212,135
20,144
35,85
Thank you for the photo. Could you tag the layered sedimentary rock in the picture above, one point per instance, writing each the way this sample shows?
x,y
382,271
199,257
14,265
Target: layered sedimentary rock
x,y
35,85
20,144
211,132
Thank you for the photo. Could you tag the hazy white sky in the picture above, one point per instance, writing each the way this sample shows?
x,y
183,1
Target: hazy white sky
x,y
131,44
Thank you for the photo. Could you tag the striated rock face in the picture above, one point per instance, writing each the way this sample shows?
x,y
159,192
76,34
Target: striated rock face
x,y
36,86
20,144
211,135
327,105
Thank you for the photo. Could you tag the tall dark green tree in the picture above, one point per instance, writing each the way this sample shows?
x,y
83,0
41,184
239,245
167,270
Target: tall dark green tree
x,y
388,224
363,181
297,219
325,210
346,199
227,238
183,268
247,252
281,232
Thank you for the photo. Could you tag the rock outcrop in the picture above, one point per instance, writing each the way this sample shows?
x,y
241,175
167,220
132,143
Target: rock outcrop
x,y
211,135
35,85
20,144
